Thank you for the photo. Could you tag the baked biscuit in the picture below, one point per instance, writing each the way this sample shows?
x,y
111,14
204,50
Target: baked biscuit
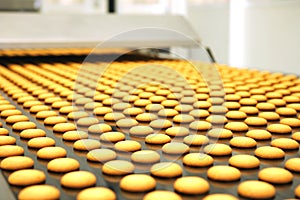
x,y
25,177
275,175
37,192
137,183
96,193
16,163
197,160
62,165
268,152
244,161
118,167
78,179
223,173
191,185
101,155
166,170
254,189
50,153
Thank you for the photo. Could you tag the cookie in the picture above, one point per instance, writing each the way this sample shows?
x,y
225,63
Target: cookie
x,y
137,183
75,135
99,128
279,128
112,137
162,194
64,127
62,165
141,130
232,105
277,102
220,196
3,131
177,131
168,112
37,192
59,104
296,136
101,155
169,103
78,179
166,170
29,104
121,106
236,126
10,150
175,148
52,120
160,124
127,123
128,146
270,116
197,160
132,111
268,152
244,161
219,133
297,191
146,117
196,140
216,119
275,175
38,108
183,118
142,102
249,110
7,113
254,189
75,115
45,113
218,149
248,102
16,118
286,111
25,177
285,143
16,163
7,107
113,116
32,133
200,125
86,144
256,121
154,107
96,193
50,153
20,126
293,164
199,113
242,142
263,106
223,173
118,167
259,134
191,185
292,122
157,139
40,142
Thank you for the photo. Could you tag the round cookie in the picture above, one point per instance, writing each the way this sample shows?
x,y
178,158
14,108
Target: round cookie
x,y
137,183
256,121
157,139
177,131
10,150
78,179
160,124
220,196
32,133
259,134
52,120
62,165
296,136
191,185
219,133
249,110
64,127
275,175
50,153
127,123
268,152
20,126
45,113
197,160
218,149
236,126
16,163
132,111
67,109
263,106
146,117
40,142
118,167
7,113
4,131
196,140
7,107
199,113
216,119
96,193
175,148
200,125
102,111
285,143
269,116
86,144
293,164
25,177
128,146
145,156
279,128
7,140
183,118
166,170
113,116
244,161
112,137
141,130
248,102
37,108
254,189
292,122
101,155
99,128
297,191
223,173
16,118
37,192
242,142
162,194
154,107
75,135
87,121
286,111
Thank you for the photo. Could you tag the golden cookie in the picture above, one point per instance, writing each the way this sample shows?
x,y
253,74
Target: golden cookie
x,y
112,137
244,161
78,179
10,150
191,185
38,108
75,135
199,113
37,192
7,107
101,155
128,146
157,139
255,121
249,110
16,163
16,118
223,173
254,189
268,152
183,118
200,125
270,116
64,127
86,144
177,131
263,106
162,194
4,131
166,170
275,175
50,153
279,128
285,143
236,126
292,122
219,133
145,156
96,193
20,126
141,130
196,140
161,124
197,160
32,133
40,142
127,123
87,121
259,134
293,164
7,113
52,120
146,117
216,119
62,165
25,177
242,142
45,113
154,107
99,128
220,196
7,140
132,111
286,111
137,183
296,136
113,116
118,167
175,148
218,149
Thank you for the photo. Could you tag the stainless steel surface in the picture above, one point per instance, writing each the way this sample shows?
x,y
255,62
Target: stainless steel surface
x,y
31,30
